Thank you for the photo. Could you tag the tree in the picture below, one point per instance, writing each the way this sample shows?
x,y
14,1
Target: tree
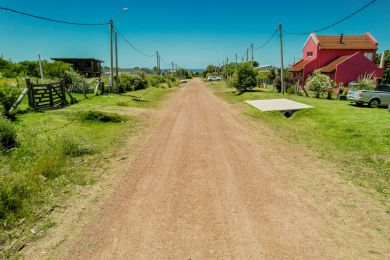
x,y
319,83
210,70
57,69
29,68
244,77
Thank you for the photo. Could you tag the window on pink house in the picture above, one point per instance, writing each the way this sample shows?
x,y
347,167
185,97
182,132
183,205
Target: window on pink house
x,y
369,55
309,54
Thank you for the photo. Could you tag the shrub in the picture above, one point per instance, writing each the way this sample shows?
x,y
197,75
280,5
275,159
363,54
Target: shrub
x,y
278,84
102,117
156,80
75,147
366,82
57,69
132,82
8,97
319,83
244,77
8,138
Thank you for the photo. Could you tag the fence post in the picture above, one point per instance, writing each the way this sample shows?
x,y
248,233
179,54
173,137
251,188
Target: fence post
x,y
49,87
63,98
30,93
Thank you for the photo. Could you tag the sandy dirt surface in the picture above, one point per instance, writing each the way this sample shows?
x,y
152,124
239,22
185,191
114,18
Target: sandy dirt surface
x,y
209,184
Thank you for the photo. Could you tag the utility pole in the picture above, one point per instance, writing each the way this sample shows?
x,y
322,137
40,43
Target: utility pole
x,y
41,69
157,65
281,59
236,58
111,56
173,67
247,55
227,60
116,64
252,52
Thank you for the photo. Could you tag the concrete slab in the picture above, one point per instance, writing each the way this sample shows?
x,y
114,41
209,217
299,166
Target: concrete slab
x,y
277,105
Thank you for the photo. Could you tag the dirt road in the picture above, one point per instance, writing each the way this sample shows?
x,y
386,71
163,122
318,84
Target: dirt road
x,y
203,188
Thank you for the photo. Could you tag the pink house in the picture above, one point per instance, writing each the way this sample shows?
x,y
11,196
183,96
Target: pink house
x,y
343,58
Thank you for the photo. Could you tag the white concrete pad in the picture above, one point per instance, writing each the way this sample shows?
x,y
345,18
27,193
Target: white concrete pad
x,y
277,105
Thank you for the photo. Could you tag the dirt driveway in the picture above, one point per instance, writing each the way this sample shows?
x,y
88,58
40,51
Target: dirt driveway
x,y
209,185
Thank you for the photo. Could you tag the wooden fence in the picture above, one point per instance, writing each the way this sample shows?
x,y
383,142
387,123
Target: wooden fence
x,y
46,96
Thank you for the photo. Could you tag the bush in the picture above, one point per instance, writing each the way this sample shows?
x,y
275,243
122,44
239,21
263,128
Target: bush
x,y
278,84
366,82
8,138
8,97
102,117
130,82
75,147
320,84
156,80
244,77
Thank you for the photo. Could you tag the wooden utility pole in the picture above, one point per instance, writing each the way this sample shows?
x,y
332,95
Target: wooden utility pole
x,y
116,64
281,59
173,67
111,56
247,55
157,61
252,52
236,58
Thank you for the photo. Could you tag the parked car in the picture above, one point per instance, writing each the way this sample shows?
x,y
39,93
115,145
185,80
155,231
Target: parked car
x,y
184,80
378,97
213,78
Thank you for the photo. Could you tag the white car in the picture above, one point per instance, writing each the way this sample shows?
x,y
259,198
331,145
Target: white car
x,y
213,78
184,80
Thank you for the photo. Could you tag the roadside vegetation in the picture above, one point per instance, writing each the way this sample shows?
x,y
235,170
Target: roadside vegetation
x,y
357,139
46,156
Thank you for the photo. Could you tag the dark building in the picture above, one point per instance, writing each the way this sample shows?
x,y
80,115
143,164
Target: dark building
x,y
89,67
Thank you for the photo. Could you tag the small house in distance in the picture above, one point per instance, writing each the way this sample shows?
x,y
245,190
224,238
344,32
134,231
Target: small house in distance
x,y
88,67
343,58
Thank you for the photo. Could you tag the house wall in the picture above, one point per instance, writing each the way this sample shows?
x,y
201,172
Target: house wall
x,y
311,46
353,68
326,56
309,68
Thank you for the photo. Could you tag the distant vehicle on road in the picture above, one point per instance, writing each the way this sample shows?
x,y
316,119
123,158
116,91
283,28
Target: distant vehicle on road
x,y
213,78
184,80
379,97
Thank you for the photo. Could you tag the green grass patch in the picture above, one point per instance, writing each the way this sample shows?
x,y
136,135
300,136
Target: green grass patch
x,y
355,138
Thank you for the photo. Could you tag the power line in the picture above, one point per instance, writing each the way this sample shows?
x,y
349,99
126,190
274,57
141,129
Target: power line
x,y
52,20
335,23
267,42
132,46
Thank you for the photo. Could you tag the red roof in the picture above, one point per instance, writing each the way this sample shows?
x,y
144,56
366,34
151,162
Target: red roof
x,y
357,42
297,67
330,67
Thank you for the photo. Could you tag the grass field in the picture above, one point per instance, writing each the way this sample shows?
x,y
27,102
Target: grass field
x,y
355,138
58,151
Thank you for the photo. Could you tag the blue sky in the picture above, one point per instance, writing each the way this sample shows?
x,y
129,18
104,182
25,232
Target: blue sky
x,y
192,34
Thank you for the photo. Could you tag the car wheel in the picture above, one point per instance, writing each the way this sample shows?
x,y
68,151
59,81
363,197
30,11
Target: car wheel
x,y
374,103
